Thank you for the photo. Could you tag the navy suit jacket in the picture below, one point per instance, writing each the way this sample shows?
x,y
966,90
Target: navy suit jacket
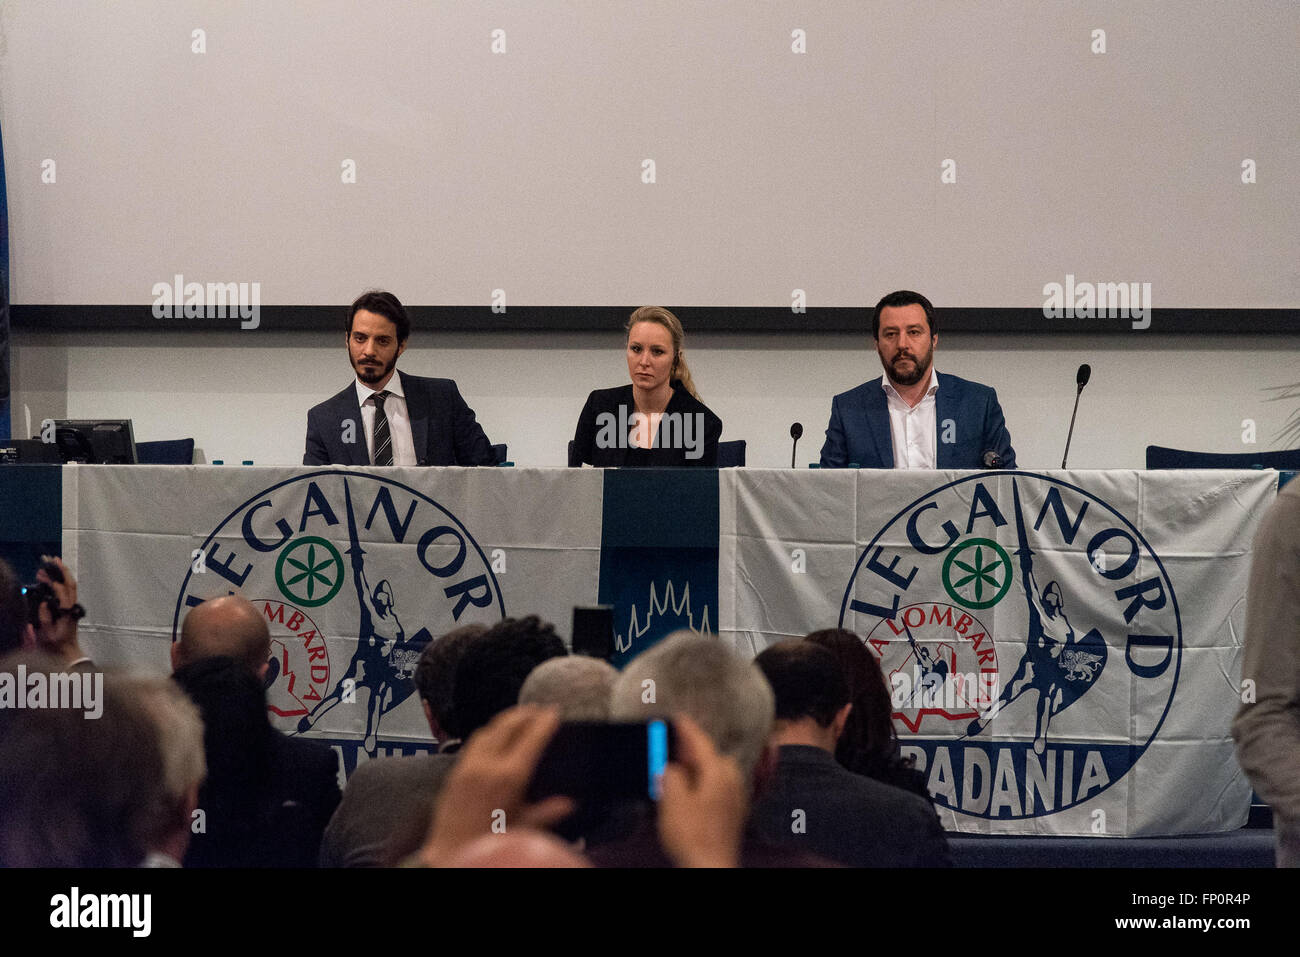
x,y
858,432
442,425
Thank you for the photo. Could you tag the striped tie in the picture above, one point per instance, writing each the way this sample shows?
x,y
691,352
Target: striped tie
x,y
383,441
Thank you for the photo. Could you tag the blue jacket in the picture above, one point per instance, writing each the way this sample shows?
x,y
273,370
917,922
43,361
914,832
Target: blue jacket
x,y
442,425
858,433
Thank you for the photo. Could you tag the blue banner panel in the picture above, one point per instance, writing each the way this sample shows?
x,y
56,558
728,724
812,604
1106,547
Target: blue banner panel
x,y
659,555
31,516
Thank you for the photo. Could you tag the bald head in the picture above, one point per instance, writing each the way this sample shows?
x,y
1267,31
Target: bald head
x,y
230,627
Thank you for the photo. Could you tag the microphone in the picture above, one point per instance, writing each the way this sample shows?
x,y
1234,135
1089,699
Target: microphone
x,y
796,430
992,460
1081,379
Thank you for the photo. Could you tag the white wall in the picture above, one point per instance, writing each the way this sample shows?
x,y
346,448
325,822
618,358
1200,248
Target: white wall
x,y
246,395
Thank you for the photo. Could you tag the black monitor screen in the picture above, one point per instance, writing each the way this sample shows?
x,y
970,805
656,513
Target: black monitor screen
x,y
95,442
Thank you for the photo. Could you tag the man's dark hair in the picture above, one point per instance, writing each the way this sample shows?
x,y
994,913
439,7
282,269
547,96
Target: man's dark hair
x,y
382,304
493,668
903,297
806,680
13,610
435,672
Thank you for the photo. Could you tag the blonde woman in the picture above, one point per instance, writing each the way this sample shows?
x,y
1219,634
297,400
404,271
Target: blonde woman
x,y
658,419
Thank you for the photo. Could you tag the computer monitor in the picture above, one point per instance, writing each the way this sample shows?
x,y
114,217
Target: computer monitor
x,y
95,441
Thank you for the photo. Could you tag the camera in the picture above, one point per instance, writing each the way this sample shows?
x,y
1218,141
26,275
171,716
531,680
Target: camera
x,y
37,595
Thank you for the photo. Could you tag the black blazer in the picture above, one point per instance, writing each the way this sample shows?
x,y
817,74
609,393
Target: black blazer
x,y
442,425
848,818
267,797
588,440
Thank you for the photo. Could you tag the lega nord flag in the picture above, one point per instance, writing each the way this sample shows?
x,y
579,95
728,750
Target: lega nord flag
x,y
355,571
1063,650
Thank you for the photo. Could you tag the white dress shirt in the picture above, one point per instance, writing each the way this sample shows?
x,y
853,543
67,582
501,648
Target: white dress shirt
x,y
399,420
912,427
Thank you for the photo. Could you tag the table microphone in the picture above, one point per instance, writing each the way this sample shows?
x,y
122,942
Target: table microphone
x,y
796,430
1081,379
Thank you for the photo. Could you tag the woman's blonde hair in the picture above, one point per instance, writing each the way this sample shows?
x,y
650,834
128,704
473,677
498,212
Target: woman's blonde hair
x,y
661,316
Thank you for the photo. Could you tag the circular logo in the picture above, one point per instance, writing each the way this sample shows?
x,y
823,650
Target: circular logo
x,y
1030,635
314,572
977,573
366,572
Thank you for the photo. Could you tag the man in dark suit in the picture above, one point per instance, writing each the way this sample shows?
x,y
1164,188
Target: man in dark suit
x,y
384,418
814,803
268,796
909,418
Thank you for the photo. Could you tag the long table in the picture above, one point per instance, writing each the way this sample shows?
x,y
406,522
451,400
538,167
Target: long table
x,y
1063,648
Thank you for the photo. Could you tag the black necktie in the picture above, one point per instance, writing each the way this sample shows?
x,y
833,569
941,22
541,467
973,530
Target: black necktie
x,y
383,441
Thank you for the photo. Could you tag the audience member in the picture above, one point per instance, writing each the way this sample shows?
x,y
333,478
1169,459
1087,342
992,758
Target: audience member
x,y
869,744
54,629
686,674
435,681
16,631
576,684
225,627
700,817
405,787
1267,726
77,791
812,801
268,796
180,738
493,669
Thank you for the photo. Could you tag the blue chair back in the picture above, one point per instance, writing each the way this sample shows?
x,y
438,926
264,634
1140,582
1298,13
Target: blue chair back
x,y
166,452
731,454
1159,457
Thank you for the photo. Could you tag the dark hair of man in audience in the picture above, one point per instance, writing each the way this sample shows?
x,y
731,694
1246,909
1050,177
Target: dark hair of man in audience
x,y
869,745
13,610
435,673
493,668
77,792
236,740
383,304
806,679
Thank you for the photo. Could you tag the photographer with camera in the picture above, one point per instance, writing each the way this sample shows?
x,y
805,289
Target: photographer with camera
x,y
44,615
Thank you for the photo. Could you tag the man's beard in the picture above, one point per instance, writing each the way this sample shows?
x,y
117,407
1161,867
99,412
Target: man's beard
x,y
920,366
373,374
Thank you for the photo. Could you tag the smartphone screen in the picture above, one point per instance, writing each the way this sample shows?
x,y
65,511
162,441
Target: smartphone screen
x,y
657,752
600,764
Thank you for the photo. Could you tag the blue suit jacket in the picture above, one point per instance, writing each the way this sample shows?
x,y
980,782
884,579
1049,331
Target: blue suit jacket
x,y
442,425
858,432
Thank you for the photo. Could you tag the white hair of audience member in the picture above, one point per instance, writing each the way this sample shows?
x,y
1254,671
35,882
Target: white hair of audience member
x,y
578,684
180,730
701,677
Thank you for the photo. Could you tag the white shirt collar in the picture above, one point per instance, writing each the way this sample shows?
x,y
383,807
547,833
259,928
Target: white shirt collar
x,y
890,390
394,387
